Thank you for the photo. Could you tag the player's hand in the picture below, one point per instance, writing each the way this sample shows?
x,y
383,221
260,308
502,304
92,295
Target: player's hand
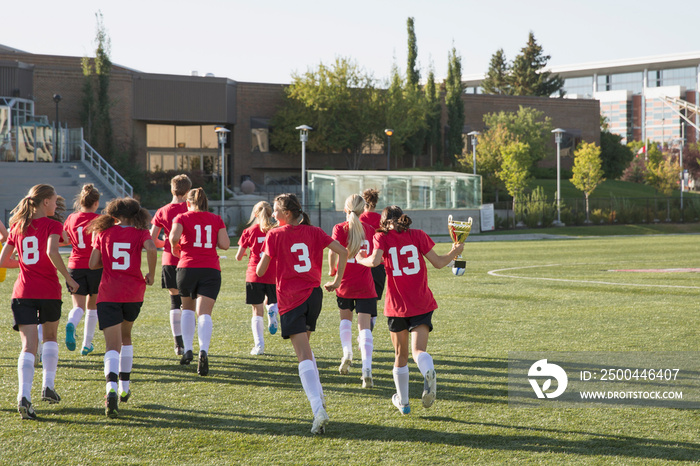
x,y
72,285
149,279
176,250
331,286
458,248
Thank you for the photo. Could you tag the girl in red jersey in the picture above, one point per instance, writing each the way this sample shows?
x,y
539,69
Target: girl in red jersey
x,y
163,220
259,290
36,297
409,303
370,217
85,299
297,247
194,238
118,237
356,291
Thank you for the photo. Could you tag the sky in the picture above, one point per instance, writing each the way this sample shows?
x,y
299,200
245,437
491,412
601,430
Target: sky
x,y
270,41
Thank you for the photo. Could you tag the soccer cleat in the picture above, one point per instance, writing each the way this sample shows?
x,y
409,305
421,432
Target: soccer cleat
x,y
320,421
87,350
70,337
112,404
179,346
26,410
187,357
367,381
50,395
257,351
429,388
272,321
203,366
345,365
124,397
403,409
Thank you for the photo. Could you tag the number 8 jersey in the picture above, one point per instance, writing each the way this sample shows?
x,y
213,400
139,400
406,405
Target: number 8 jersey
x,y
407,293
298,251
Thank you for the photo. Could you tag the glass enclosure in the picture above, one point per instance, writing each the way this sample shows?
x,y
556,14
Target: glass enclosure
x,y
407,189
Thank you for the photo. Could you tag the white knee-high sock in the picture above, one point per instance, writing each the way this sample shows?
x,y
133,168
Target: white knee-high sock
x,y
425,363
90,325
401,381
258,327
126,362
188,321
49,363
25,376
75,315
205,327
111,370
318,374
345,330
366,344
175,322
40,338
311,384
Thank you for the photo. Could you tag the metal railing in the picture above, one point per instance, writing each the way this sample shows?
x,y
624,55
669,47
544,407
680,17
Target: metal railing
x,y
104,170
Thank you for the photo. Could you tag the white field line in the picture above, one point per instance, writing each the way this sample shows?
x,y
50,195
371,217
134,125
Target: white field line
x,y
497,273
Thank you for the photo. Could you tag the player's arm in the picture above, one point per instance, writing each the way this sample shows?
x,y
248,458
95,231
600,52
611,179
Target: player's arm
x,y
6,259
65,240
332,262
342,253
57,261
3,233
240,254
223,241
174,239
372,260
262,265
440,261
152,259
95,260
155,236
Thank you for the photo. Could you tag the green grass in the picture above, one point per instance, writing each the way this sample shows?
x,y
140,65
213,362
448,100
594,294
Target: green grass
x,y
252,410
618,189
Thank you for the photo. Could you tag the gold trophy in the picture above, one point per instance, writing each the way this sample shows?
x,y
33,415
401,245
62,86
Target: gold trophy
x,y
459,232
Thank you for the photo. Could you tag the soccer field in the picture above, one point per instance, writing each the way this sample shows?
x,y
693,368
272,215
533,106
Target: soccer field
x,y
563,295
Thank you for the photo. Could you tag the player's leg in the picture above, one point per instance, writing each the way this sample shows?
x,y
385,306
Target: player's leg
x,y
419,337
205,327
90,325
345,332
257,325
400,372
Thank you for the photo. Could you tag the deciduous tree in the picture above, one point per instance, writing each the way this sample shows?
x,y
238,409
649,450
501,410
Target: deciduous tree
x,y
587,170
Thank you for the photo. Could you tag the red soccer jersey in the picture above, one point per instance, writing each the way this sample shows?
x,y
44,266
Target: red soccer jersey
x,y
298,250
75,226
122,280
371,218
407,277
200,232
164,219
357,280
37,278
254,238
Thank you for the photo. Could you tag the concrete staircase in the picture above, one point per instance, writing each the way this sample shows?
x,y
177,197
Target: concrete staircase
x,y
16,178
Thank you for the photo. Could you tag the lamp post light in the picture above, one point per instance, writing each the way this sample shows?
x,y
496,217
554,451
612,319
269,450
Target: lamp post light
x,y
303,137
57,127
222,133
475,140
389,133
557,138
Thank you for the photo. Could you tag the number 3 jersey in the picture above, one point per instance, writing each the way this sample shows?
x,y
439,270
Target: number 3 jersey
x,y
75,227
37,278
298,251
200,233
407,293
122,280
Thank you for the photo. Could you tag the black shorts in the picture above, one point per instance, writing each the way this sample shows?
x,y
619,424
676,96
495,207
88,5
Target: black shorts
x,y
399,324
110,314
168,277
363,305
198,281
88,280
255,293
35,311
379,277
302,318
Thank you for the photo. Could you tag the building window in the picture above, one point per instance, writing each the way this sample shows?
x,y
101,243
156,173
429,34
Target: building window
x,y
259,135
182,147
582,86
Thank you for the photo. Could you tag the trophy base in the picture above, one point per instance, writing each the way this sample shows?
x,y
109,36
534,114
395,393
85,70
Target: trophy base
x,y
460,264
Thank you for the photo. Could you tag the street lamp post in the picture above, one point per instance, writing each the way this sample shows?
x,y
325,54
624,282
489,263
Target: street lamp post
x,y
57,127
303,137
557,138
222,133
389,133
475,140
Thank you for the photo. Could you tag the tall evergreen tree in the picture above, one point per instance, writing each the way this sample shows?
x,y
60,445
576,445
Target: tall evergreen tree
x,y
432,98
454,88
412,71
497,81
415,142
527,76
